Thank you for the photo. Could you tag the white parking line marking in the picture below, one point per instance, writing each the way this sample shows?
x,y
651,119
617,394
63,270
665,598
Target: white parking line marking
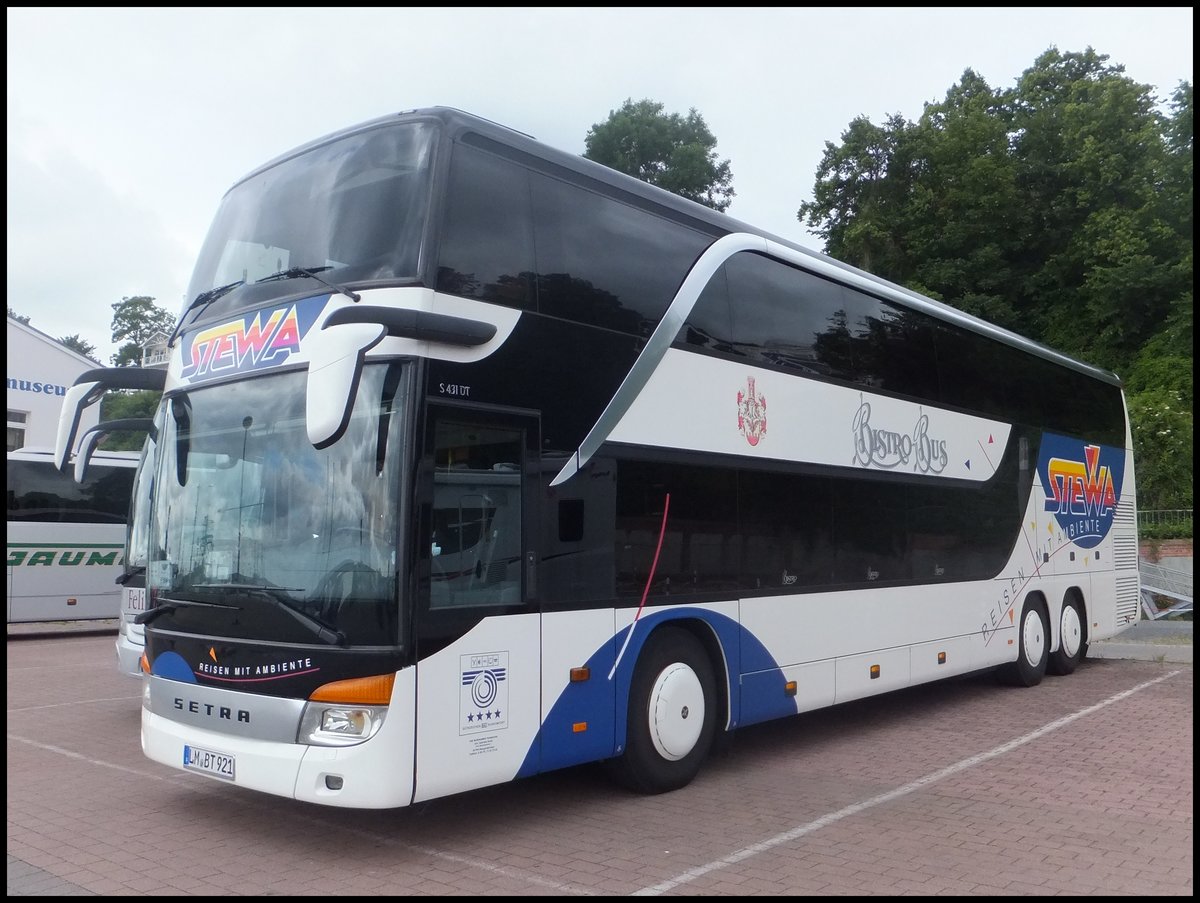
x,y
832,817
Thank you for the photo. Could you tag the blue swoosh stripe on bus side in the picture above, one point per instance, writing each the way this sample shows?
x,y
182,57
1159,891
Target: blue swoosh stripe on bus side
x,y
558,745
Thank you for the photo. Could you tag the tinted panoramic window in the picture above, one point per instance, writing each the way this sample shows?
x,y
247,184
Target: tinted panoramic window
x,y
701,549
486,247
892,348
786,527
606,263
709,325
37,491
354,208
786,318
975,372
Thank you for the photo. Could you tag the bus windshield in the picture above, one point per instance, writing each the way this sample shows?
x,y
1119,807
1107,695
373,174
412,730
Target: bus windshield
x,y
352,209
255,534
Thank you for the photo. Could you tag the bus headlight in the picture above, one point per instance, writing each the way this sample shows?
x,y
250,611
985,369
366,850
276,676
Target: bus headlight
x,y
326,724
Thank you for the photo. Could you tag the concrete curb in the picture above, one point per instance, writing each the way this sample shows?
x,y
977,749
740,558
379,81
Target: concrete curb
x,y
1168,653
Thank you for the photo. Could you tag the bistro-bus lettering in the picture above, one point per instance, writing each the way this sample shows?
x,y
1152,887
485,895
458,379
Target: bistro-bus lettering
x,y
887,448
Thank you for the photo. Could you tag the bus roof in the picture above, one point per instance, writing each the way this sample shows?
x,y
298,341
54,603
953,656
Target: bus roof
x,y
458,122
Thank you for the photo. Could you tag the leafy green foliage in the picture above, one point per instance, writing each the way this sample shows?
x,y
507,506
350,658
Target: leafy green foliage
x,y
1162,427
20,318
1060,209
674,152
76,344
135,322
122,405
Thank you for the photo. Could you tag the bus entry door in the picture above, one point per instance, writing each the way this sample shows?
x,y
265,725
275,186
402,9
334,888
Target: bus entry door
x,y
478,629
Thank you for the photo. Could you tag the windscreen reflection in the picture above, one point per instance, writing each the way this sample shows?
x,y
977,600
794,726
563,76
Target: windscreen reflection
x,y
277,540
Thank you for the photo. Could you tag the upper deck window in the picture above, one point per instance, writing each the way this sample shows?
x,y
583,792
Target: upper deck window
x,y
354,208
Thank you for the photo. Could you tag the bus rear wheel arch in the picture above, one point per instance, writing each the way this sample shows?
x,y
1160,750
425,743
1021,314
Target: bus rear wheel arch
x,y
1033,645
673,703
1072,635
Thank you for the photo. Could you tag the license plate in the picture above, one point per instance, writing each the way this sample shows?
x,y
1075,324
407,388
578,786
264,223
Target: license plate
x,y
219,765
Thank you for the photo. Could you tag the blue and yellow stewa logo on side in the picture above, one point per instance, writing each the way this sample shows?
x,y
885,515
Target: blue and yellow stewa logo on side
x,y
1083,486
255,341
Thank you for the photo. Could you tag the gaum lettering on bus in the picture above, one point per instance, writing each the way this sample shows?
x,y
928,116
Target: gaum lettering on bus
x,y
27,385
244,344
220,712
63,558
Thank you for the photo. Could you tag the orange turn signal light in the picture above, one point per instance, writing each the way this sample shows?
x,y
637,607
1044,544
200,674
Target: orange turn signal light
x,y
375,690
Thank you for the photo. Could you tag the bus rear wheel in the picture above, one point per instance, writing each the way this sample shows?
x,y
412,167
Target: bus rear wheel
x,y
672,714
1033,654
1072,642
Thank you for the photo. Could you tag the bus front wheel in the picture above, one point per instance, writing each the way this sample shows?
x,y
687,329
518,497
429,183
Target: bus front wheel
x,y
672,714
1033,636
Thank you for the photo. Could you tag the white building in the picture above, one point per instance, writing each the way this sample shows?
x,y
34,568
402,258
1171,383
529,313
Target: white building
x,y
40,370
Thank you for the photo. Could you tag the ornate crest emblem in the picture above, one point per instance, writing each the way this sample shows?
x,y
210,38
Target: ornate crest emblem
x,y
752,413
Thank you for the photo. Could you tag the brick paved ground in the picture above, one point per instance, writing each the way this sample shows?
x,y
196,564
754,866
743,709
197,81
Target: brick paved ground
x,y
1079,786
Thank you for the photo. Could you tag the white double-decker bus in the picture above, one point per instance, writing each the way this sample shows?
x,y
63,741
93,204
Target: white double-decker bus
x,y
479,460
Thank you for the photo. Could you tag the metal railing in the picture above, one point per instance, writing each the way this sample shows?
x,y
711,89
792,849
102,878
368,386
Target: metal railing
x,y
1170,517
1158,580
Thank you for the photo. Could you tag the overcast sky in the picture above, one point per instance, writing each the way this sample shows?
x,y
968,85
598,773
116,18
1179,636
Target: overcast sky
x,y
126,126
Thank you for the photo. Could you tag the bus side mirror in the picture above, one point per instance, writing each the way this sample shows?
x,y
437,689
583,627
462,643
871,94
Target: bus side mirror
x,y
335,364
336,352
78,397
87,445
89,388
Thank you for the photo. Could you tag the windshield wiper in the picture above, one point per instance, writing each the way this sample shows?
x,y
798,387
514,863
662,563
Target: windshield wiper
x,y
200,301
273,595
130,574
166,606
311,273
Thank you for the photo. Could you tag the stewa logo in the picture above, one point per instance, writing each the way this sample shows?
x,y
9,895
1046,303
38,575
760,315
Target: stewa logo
x,y
48,554
1082,485
265,338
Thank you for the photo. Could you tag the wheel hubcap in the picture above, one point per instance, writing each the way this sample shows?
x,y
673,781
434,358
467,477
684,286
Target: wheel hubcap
x,y
1033,638
676,711
1072,631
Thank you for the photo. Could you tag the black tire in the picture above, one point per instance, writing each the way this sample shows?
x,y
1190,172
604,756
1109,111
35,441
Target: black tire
x,y
667,739
1033,633
1072,638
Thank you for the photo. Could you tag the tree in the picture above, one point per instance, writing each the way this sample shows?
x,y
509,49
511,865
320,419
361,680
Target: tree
x,y
135,322
1060,209
123,405
20,318
75,343
674,152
